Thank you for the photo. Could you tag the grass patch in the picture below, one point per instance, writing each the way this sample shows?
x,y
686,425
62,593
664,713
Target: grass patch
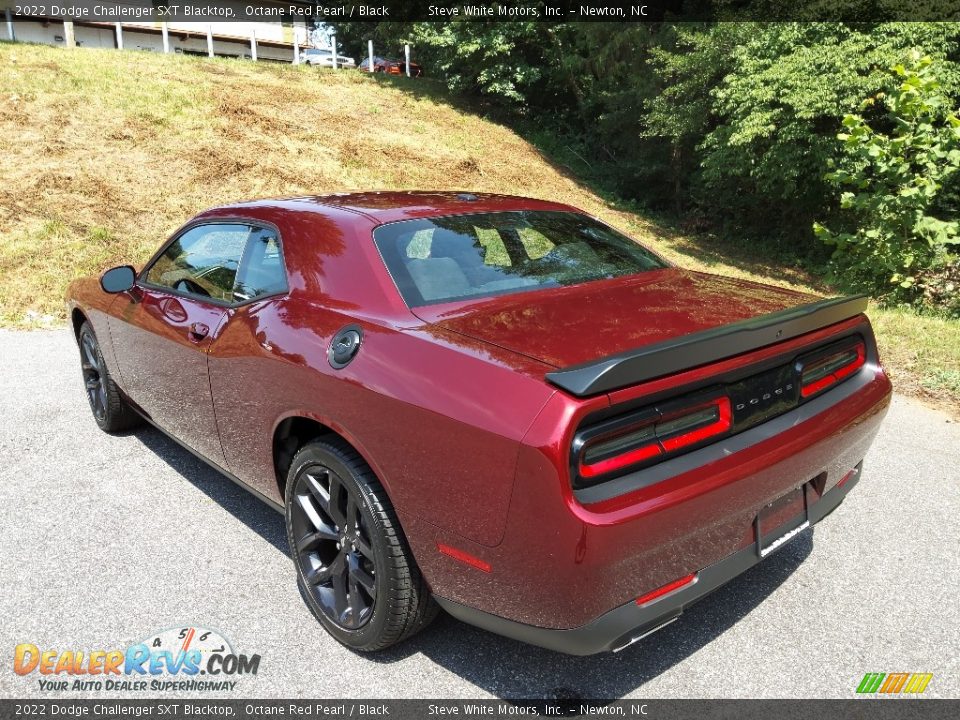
x,y
922,354
105,153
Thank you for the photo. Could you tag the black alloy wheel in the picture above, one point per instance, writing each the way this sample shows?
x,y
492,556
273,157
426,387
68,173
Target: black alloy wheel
x,y
333,547
93,376
354,566
110,409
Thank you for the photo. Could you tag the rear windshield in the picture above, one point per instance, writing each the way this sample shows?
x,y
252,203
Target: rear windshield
x,y
443,259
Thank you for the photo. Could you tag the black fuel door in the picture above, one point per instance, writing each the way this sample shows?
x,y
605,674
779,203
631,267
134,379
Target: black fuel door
x,y
345,346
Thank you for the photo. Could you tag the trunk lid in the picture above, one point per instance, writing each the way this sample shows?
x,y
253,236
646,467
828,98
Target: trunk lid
x,y
572,325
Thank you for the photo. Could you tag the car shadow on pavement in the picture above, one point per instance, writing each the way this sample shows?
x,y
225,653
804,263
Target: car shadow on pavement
x,y
507,668
512,670
256,515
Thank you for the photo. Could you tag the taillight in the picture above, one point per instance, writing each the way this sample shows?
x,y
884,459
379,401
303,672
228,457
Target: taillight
x,y
690,427
589,467
821,372
656,435
607,448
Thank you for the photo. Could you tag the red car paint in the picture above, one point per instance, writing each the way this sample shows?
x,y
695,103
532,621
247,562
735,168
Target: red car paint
x,y
449,406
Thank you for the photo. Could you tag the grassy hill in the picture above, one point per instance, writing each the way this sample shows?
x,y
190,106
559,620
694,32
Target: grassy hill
x,y
104,153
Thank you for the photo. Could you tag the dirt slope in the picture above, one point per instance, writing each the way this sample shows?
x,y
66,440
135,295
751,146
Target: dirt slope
x,y
103,153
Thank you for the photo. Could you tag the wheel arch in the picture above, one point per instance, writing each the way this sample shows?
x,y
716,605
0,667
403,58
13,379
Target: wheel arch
x,y
77,319
294,430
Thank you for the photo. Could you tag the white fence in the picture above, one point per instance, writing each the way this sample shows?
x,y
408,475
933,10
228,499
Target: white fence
x,y
256,40
263,40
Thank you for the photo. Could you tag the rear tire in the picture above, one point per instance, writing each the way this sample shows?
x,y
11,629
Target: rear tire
x,y
353,562
110,410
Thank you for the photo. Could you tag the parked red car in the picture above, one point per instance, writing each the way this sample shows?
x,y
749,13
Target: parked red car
x,y
390,67
494,404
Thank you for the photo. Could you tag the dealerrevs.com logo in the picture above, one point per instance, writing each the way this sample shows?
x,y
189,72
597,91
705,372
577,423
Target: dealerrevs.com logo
x,y
188,659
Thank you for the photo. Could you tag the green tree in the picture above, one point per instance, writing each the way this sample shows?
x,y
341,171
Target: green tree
x,y
757,106
727,125
516,64
688,67
895,157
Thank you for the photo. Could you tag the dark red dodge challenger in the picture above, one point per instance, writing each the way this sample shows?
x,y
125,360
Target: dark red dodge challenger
x,y
497,405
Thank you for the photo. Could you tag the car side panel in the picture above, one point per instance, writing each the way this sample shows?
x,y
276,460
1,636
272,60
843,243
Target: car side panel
x,y
86,295
164,370
447,456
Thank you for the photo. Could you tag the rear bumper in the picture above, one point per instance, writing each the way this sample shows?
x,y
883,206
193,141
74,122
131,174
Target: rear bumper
x,y
630,622
567,560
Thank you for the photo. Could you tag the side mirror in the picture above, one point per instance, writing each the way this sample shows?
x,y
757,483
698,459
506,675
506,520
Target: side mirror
x,y
118,279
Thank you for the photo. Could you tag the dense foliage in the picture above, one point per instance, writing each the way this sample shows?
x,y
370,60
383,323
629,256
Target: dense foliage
x,y
892,242
729,127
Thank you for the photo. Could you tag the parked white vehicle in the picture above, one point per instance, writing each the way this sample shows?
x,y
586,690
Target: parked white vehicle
x,y
324,58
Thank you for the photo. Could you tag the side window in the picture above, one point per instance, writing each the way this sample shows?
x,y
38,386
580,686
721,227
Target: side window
x,y
202,262
261,272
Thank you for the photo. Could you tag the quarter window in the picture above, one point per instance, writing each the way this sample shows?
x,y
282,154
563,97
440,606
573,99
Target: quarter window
x,y
261,272
226,262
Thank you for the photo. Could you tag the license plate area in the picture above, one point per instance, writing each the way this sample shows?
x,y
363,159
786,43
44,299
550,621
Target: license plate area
x,y
782,520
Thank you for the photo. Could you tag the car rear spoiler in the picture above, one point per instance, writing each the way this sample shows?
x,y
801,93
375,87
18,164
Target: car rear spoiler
x,y
688,351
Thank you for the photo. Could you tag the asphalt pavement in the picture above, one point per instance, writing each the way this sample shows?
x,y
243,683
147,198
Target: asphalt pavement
x,y
108,539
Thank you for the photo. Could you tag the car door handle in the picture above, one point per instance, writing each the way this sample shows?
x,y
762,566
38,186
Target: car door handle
x,y
198,331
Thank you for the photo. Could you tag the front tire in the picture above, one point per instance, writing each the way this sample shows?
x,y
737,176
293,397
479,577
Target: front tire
x,y
110,410
353,562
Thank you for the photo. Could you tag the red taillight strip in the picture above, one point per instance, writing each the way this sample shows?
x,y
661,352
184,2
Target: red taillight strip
x,y
666,445
850,369
818,385
660,592
620,461
465,557
812,388
718,426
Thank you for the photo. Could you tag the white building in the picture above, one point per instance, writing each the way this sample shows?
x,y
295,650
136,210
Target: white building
x,y
275,40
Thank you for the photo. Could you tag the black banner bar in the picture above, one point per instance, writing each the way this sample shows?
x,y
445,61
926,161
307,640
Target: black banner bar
x,y
175,709
549,11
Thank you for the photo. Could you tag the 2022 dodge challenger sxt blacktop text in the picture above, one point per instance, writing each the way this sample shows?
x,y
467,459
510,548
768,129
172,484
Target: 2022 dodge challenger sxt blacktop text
x,y
493,404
